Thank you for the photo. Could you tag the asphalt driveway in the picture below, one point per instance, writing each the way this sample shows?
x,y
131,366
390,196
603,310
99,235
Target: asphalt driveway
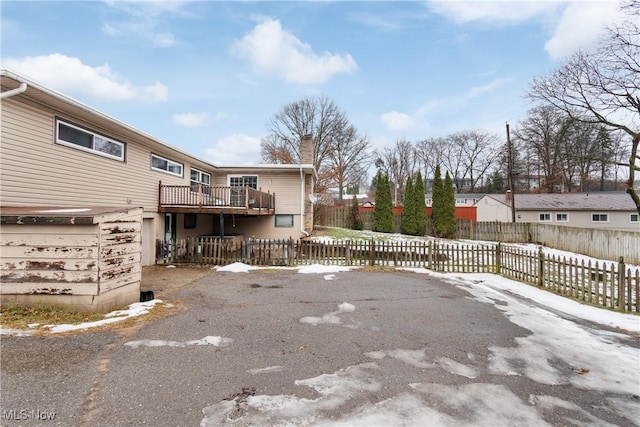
x,y
276,347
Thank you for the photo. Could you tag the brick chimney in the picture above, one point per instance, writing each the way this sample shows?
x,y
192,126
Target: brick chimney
x,y
507,197
306,150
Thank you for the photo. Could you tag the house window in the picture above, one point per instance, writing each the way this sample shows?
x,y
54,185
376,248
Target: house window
x,y
544,217
82,139
241,181
199,177
599,218
634,218
165,165
562,217
284,221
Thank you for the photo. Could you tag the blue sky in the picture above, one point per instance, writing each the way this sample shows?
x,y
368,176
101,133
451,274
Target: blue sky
x,y
206,76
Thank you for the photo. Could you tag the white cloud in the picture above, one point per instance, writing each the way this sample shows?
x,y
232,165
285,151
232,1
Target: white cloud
x,y
274,51
70,76
494,12
143,19
192,120
573,25
580,27
141,29
397,121
235,150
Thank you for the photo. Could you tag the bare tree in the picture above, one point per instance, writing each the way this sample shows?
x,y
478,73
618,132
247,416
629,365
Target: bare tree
x,y
398,163
476,155
603,86
339,152
349,159
429,154
545,130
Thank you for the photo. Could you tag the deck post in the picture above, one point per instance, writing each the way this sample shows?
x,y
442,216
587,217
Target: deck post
x,y
221,225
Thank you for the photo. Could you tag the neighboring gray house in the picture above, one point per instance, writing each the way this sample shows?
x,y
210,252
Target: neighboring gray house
x,y
604,210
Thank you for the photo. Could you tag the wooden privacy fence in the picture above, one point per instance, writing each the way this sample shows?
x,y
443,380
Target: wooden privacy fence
x,y
608,284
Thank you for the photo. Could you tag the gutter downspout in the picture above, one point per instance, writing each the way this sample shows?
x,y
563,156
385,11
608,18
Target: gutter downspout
x,y
302,204
12,92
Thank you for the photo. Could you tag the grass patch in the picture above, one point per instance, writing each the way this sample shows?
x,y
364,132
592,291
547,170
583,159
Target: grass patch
x,y
16,316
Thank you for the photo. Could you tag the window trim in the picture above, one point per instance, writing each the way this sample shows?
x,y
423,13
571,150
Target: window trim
x,y
200,174
243,176
631,220
540,219
593,215
93,134
169,161
562,220
283,216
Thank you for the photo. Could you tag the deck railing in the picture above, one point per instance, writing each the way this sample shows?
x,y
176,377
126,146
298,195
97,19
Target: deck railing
x,y
205,196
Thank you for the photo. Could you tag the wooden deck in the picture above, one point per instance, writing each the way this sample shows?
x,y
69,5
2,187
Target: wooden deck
x,y
215,200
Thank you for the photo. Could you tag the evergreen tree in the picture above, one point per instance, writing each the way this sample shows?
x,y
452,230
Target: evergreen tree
x,y
355,220
409,225
437,203
420,206
383,212
449,222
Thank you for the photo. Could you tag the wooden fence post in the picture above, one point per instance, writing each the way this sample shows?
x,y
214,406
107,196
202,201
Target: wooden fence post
x,y
498,257
540,267
621,283
372,258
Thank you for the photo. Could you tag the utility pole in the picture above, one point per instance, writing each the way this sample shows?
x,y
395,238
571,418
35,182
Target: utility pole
x,y
512,188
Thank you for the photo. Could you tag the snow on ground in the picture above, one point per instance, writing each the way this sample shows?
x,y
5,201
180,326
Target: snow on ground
x,y
135,309
236,267
208,340
598,360
332,317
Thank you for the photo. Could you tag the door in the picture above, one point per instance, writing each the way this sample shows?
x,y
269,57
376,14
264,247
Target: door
x,y
169,236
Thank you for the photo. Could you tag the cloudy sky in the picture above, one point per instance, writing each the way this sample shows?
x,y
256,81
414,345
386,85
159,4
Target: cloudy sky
x,y
206,76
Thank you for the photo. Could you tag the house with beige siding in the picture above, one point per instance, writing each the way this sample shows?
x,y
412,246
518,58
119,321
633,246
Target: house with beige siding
x,y
602,210
56,152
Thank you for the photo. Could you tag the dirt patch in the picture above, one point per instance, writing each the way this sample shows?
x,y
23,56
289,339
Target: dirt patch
x,y
164,280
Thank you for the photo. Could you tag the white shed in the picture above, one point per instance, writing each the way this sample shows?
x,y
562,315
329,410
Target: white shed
x,y
85,258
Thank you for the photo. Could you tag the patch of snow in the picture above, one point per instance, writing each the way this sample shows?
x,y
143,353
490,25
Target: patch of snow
x,y
16,332
236,267
135,309
267,369
627,322
330,277
321,269
215,341
612,366
332,318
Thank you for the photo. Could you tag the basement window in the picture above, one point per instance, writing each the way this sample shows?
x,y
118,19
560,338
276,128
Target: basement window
x,y
86,140
284,221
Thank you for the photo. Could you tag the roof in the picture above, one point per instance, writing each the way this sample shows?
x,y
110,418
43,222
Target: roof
x,y
275,167
601,201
